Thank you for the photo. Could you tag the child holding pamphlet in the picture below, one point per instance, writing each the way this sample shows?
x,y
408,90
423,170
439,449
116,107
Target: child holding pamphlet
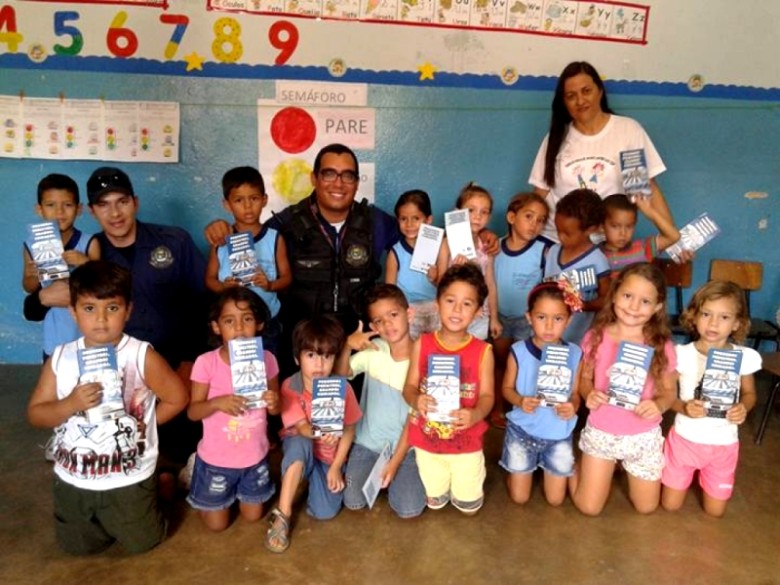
x,y
385,363
620,247
231,462
58,201
105,488
717,391
254,255
311,452
447,431
541,380
518,269
628,381
478,202
578,216
413,211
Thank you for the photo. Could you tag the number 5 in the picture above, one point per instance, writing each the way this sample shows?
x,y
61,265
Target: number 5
x,y
60,29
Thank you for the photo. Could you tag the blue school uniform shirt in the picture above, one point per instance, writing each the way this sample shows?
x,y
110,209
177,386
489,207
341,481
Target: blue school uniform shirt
x,y
265,250
517,273
415,285
543,423
580,322
58,324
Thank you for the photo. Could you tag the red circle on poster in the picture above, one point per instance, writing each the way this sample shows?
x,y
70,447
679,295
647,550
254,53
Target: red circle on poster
x,y
293,130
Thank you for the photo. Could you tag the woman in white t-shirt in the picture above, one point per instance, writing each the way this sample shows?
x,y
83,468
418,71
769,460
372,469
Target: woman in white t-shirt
x,y
582,148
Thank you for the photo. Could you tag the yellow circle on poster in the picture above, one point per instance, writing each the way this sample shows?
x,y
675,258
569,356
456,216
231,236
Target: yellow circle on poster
x,y
292,179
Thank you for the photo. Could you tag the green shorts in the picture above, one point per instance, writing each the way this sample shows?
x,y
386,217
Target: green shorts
x,y
88,522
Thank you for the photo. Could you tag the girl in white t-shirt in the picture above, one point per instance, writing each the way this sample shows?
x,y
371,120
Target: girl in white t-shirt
x,y
704,437
232,457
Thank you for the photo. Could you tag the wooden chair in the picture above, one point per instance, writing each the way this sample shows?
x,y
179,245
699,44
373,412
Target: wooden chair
x,y
770,363
748,276
678,277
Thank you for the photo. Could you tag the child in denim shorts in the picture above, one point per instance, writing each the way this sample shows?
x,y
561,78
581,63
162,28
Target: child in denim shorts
x,y
231,462
539,434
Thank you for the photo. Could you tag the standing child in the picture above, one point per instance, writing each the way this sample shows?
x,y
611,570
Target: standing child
x,y
479,203
413,210
449,455
620,247
105,489
58,201
245,197
308,455
538,435
717,312
634,311
518,268
577,216
385,363
232,457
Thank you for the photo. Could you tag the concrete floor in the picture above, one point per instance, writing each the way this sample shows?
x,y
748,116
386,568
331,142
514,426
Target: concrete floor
x,y
504,543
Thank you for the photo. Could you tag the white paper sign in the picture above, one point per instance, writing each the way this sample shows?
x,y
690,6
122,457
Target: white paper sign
x,y
426,249
459,237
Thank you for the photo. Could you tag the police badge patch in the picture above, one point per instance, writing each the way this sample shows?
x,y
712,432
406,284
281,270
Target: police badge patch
x,y
161,257
357,255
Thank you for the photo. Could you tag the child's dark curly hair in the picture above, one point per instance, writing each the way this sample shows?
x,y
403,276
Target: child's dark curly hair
x,y
584,205
468,273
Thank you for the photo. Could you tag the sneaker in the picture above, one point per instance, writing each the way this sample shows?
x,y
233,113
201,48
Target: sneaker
x,y
438,502
185,475
48,449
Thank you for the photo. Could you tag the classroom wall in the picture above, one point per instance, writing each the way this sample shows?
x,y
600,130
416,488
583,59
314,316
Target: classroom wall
x,y
720,152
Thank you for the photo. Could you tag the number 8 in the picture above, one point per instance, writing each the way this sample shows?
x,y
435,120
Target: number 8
x,y
231,37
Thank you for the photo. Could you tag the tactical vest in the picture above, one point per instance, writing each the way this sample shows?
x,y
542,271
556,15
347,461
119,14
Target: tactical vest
x,y
324,281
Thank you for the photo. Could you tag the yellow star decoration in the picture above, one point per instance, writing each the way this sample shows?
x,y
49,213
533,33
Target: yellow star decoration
x,y
427,70
194,61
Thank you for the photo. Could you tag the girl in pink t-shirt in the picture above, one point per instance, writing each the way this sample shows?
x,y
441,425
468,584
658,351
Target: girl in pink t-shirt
x,y
619,427
231,462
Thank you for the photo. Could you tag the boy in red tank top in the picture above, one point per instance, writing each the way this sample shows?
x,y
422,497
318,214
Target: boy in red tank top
x,y
449,454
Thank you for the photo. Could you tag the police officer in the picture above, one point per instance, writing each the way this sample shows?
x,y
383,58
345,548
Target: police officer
x,y
168,289
333,243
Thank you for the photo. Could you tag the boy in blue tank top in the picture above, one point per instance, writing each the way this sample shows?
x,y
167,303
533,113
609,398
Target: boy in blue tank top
x,y
58,201
245,197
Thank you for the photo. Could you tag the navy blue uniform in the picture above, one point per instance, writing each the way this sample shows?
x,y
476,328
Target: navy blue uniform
x,y
168,290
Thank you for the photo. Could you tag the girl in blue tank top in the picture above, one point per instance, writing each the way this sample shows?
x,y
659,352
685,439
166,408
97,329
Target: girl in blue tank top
x,y
413,210
518,268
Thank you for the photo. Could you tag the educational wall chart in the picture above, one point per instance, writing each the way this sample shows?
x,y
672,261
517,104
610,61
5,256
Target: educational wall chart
x,y
67,129
304,117
485,44
615,21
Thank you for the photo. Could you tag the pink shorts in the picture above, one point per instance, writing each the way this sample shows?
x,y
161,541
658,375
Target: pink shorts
x,y
717,465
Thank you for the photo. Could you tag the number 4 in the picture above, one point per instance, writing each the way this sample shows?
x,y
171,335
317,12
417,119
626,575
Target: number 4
x,y
8,22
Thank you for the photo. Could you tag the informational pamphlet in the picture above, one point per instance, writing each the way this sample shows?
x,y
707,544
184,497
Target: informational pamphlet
x,y
584,280
720,385
554,380
242,257
628,374
98,364
328,400
45,246
693,236
247,370
459,237
374,480
636,181
443,383
426,249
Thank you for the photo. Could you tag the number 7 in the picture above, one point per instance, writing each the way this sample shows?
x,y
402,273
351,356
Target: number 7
x,y
181,22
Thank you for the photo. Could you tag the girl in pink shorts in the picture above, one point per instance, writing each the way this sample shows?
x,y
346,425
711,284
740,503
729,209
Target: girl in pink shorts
x,y
717,391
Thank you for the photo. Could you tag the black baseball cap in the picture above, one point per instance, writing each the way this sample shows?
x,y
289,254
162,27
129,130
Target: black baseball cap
x,y
107,180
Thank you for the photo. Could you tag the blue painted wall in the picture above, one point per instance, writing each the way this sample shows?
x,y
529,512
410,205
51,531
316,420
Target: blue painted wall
x,y
437,139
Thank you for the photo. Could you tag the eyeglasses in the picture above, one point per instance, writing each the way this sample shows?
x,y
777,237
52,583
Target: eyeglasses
x,y
347,177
